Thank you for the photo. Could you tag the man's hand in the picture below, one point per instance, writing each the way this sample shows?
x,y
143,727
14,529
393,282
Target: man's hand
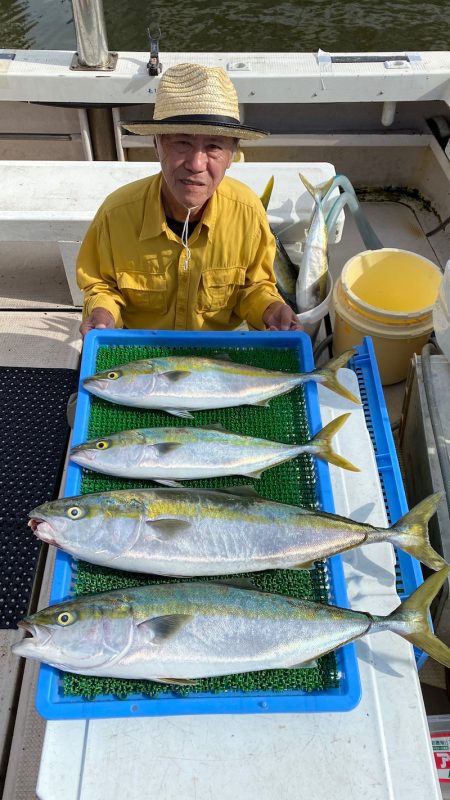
x,y
280,317
100,318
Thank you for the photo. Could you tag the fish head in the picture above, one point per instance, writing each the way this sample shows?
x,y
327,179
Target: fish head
x,y
86,525
110,454
103,522
125,382
50,521
78,635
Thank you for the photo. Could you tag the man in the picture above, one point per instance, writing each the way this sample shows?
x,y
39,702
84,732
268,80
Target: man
x,y
187,249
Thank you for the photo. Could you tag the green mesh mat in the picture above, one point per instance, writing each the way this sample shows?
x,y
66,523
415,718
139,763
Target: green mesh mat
x,y
292,482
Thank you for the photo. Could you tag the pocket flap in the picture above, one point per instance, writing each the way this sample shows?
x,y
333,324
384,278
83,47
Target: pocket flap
x,y
141,282
224,276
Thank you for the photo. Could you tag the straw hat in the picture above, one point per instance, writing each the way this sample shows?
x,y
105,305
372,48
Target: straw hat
x,y
192,98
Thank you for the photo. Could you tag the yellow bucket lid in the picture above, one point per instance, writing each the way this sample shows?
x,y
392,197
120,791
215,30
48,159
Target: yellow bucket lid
x,y
393,285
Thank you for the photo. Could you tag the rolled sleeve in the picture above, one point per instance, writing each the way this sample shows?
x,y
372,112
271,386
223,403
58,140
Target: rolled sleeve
x,y
96,275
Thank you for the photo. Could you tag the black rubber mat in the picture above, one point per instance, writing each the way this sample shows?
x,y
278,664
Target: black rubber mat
x,y
33,440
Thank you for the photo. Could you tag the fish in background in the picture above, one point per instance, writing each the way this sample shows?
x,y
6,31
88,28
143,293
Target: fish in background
x,y
286,271
181,384
199,532
180,632
313,271
166,455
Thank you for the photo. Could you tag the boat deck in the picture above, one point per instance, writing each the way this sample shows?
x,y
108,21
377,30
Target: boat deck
x,y
39,327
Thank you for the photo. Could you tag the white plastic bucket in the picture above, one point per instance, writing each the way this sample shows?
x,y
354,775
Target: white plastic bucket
x,y
311,320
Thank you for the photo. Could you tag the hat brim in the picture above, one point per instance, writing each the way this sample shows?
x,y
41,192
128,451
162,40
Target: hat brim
x,y
222,129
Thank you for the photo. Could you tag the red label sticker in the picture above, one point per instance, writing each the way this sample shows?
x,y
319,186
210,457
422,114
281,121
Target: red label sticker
x,y
441,749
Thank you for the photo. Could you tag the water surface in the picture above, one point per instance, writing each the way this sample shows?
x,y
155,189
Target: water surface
x,y
237,25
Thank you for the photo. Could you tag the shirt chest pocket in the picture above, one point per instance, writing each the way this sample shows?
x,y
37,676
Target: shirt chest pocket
x,y
219,287
144,289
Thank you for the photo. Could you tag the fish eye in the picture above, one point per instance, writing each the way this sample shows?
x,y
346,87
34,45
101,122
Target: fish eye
x,y
102,444
74,512
65,618
113,375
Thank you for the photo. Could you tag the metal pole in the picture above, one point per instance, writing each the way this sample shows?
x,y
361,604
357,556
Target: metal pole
x,y
91,34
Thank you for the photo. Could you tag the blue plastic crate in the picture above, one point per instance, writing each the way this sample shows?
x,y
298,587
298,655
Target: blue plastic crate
x,y
407,569
51,702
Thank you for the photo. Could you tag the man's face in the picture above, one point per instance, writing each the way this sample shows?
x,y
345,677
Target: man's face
x,y
192,168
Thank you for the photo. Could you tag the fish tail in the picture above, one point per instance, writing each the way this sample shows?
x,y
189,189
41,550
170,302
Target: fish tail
x,y
410,533
327,375
410,620
267,193
320,190
321,447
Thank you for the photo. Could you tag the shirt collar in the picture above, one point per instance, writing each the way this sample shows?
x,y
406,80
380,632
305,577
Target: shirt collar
x,y
154,222
154,219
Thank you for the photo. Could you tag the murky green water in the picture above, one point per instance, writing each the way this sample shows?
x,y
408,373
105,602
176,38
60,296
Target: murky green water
x,y
238,25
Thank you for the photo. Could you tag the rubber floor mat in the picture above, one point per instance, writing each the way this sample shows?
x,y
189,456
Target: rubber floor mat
x,y
33,440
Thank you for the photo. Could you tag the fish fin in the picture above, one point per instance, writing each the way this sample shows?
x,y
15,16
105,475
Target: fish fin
x,y
170,484
164,627
175,375
321,189
267,193
239,491
256,475
328,375
215,426
410,619
177,681
320,444
167,527
165,447
237,583
410,533
312,664
307,184
262,403
304,565
179,412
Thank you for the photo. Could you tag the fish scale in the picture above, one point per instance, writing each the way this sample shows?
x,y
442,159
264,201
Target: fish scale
x,y
292,482
186,631
181,384
194,532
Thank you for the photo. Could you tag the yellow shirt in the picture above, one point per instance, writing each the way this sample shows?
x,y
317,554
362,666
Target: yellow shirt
x,y
132,264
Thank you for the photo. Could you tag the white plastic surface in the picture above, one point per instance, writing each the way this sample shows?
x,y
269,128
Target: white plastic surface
x,y
58,199
54,201
274,78
441,314
356,754
311,319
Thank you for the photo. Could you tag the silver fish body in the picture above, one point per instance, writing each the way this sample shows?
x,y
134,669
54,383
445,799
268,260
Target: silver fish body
x,y
286,271
198,532
176,633
181,384
286,274
313,270
171,454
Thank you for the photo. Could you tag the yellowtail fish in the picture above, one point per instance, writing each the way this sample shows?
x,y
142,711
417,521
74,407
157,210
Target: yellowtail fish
x,y
179,632
170,454
196,532
181,384
313,270
286,271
